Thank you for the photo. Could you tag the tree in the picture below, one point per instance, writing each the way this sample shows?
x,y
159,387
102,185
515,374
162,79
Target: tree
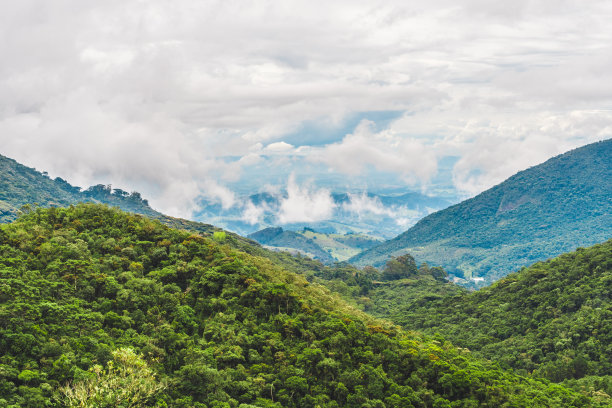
x,y
438,273
401,267
127,382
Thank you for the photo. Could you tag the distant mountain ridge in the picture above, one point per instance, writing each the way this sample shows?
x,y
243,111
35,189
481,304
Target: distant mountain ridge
x,y
290,240
379,215
24,186
327,248
538,213
21,185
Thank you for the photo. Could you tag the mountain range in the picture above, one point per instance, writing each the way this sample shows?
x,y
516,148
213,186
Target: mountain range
x,y
204,317
541,212
381,216
553,318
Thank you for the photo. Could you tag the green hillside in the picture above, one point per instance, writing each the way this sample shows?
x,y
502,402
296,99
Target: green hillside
x,y
24,186
99,308
21,185
327,248
536,214
553,319
277,238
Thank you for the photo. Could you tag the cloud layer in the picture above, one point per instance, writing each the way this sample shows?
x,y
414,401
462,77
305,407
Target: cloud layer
x,y
186,99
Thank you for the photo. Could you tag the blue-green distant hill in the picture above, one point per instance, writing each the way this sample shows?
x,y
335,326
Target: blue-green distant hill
x,y
536,214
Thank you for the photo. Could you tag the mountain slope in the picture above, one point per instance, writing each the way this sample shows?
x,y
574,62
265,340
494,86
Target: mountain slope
x,y
216,327
538,213
327,248
292,241
21,185
553,318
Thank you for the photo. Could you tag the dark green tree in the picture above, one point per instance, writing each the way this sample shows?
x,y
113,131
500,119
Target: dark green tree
x,y
402,267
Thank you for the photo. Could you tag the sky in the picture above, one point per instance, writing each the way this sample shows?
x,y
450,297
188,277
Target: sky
x,y
194,98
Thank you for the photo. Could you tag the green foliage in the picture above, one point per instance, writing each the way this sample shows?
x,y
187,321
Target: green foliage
x,y
536,214
391,299
219,236
386,294
220,327
127,382
553,319
401,267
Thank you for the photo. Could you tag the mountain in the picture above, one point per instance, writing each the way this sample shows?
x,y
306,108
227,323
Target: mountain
x,y
538,213
99,307
327,248
553,319
21,185
24,186
277,238
379,215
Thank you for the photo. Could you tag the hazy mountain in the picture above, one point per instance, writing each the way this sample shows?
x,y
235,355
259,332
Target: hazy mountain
x,y
377,215
327,248
536,214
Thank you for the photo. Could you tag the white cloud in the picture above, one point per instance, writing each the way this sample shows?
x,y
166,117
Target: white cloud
x,y
253,214
278,147
363,204
384,151
494,146
219,193
305,205
177,98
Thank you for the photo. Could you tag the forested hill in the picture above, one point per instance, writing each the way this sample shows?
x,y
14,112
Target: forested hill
x,y
21,185
553,318
187,321
24,186
536,214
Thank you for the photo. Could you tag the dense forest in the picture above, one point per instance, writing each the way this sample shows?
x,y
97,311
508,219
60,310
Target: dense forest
x,y
538,213
104,308
553,319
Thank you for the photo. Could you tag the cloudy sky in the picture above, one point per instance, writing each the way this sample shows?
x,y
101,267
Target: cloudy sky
x,y
179,99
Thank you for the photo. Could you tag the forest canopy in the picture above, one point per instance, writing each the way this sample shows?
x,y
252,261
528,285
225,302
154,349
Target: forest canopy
x,y
217,327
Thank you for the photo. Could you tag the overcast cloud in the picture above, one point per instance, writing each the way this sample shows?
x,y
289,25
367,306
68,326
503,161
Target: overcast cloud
x,y
179,99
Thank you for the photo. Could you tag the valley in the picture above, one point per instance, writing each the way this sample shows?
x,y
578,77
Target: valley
x,y
538,213
297,204
280,318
